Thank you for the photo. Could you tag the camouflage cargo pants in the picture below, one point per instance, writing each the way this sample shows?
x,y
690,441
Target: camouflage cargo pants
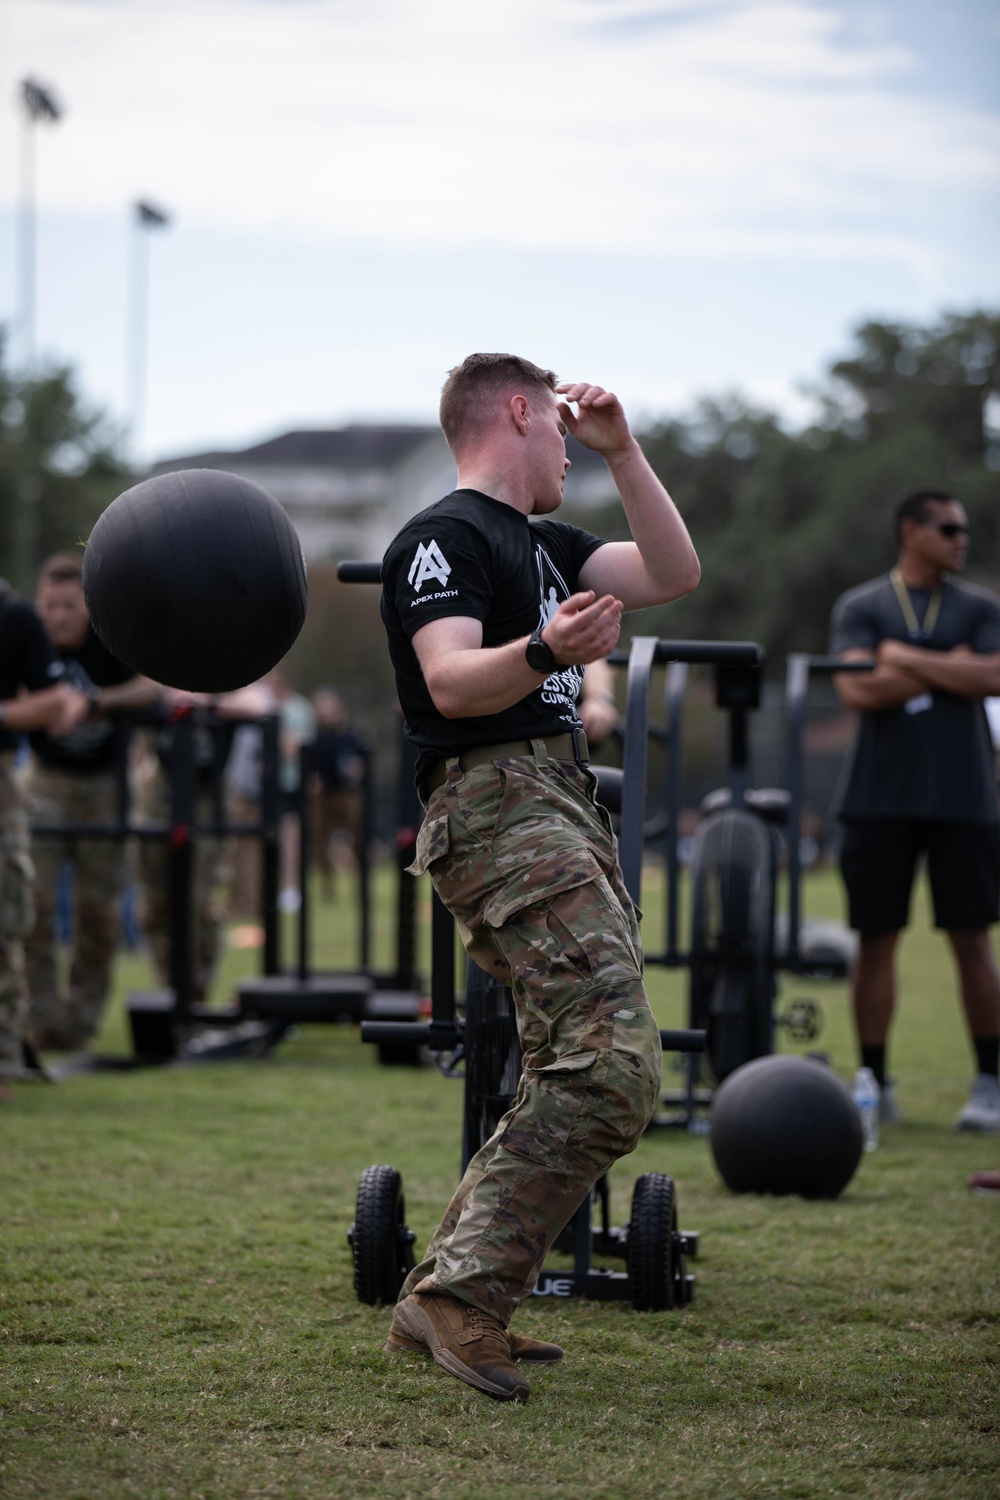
x,y
16,917
527,863
100,868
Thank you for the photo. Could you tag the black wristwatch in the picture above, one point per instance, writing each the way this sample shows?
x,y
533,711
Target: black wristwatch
x,y
539,656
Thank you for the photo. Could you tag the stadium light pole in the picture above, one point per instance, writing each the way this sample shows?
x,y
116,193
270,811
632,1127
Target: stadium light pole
x,y
40,106
146,217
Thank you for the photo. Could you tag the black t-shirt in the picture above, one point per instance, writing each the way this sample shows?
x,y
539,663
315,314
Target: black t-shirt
x,y
91,745
26,656
474,556
933,757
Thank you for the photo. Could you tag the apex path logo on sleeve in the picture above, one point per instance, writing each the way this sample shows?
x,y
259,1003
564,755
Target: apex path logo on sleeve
x,y
429,562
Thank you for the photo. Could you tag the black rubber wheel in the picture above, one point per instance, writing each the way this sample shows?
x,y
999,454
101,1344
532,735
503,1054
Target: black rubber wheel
x,y
492,1058
381,1243
656,1266
732,985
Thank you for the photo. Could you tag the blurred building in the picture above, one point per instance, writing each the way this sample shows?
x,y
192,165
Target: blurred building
x,y
347,490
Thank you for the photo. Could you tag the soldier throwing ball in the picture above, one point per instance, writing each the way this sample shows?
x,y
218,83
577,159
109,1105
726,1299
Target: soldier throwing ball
x,y
491,619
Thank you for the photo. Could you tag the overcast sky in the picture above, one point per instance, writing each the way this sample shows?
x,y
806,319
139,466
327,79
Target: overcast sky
x,y
666,196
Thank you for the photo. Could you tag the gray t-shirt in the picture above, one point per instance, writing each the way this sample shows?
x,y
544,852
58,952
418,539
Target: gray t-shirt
x,y
931,758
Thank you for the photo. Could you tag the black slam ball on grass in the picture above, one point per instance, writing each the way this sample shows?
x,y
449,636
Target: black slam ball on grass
x,y
196,579
785,1125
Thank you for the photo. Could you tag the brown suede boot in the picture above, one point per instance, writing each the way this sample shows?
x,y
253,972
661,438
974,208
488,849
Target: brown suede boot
x,y
533,1351
470,1344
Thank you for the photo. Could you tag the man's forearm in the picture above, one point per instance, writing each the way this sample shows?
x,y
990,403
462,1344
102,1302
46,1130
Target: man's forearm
x,y
32,711
466,679
138,692
467,684
869,692
669,559
667,566
965,675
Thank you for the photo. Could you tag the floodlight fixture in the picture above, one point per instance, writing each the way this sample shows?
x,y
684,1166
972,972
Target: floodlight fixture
x,y
39,101
149,215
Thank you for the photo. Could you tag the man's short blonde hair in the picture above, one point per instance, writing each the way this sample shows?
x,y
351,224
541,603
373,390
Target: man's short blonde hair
x,y
478,380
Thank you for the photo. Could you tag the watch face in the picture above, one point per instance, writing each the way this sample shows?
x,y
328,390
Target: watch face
x,y
539,656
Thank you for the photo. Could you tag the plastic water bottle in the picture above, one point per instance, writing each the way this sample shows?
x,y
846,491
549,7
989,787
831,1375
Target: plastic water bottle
x,y
867,1097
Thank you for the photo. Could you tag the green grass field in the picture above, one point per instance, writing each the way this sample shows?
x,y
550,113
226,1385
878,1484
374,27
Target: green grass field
x,y
177,1317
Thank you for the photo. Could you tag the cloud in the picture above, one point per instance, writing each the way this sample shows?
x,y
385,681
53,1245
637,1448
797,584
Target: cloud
x,y
708,128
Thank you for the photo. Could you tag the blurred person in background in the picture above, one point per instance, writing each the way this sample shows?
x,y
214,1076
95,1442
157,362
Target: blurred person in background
x,y
212,746
33,696
920,782
298,726
336,791
244,792
73,779
596,706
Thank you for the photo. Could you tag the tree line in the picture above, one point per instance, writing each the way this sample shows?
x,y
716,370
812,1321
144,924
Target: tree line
x,y
784,519
61,463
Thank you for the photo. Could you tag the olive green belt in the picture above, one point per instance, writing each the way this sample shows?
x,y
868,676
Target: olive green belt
x,y
557,747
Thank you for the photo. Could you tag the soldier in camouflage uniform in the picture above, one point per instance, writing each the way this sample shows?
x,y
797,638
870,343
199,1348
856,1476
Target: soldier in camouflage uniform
x,y
32,696
66,1019
17,915
490,621
542,908
73,779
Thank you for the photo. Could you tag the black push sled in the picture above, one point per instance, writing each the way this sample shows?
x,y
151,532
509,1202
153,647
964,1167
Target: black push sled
x,y
479,1042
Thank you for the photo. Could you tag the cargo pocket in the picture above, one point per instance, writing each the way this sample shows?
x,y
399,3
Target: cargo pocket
x,y
17,878
568,948
537,883
432,843
557,1108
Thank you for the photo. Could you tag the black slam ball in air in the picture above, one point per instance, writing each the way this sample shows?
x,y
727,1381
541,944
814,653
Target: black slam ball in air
x,y
785,1125
196,579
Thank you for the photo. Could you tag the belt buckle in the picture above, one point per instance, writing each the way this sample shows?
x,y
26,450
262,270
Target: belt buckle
x,y
579,747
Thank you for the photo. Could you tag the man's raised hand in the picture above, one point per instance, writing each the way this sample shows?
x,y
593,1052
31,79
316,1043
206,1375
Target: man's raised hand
x,y
599,421
584,628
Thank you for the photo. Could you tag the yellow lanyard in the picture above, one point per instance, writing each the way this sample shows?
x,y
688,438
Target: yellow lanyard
x,y
915,630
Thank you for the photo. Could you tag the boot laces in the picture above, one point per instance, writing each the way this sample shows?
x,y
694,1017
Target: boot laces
x,y
483,1326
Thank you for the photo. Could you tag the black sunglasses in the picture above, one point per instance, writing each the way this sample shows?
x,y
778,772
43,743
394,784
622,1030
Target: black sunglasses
x,y
950,529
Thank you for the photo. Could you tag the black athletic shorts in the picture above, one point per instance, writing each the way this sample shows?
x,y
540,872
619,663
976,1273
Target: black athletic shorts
x,y
879,860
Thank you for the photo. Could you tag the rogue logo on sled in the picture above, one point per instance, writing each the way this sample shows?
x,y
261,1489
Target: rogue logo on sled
x,y
553,1286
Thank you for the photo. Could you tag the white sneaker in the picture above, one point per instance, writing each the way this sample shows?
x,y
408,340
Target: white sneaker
x,y
983,1109
888,1113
